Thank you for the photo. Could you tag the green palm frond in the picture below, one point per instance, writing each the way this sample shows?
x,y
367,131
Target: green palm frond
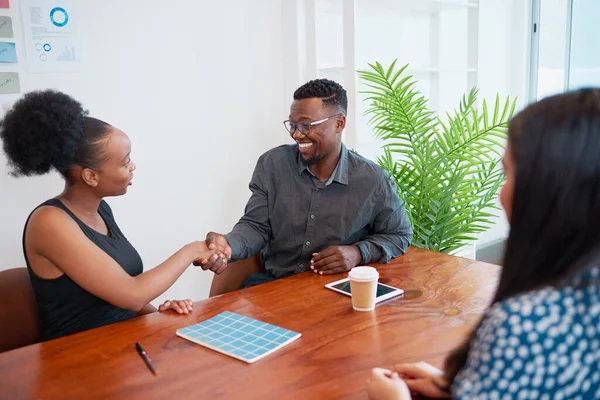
x,y
470,132
398,111
446,171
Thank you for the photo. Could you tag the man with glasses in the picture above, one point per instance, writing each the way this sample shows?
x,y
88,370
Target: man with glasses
x,y
315,205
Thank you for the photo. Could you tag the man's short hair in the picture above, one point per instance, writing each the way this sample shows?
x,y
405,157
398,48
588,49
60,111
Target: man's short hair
x,y
331,93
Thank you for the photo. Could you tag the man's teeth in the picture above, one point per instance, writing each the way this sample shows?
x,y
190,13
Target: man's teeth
x,y
304,145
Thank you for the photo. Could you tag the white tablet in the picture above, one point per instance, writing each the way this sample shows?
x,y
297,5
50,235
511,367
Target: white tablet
x,y
384,292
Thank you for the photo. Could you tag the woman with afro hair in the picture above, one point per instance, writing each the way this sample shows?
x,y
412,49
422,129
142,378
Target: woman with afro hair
x,y
84,272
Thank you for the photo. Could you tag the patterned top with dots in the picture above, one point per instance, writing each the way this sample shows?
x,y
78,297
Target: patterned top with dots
x,y
543,344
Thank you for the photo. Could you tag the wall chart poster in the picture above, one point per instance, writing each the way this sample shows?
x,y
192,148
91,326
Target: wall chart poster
x,y
51,40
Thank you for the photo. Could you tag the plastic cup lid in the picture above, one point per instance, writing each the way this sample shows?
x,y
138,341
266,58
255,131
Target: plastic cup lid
x,y
363,274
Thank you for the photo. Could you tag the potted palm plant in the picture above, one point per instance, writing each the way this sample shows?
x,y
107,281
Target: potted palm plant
x,y
448,170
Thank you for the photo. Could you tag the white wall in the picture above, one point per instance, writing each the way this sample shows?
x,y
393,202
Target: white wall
x,y
198,86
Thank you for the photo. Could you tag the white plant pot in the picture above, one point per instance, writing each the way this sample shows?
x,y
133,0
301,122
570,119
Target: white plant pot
x,y
468,251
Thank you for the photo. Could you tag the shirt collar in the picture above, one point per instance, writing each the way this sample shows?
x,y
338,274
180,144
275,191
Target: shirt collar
x,y
340,173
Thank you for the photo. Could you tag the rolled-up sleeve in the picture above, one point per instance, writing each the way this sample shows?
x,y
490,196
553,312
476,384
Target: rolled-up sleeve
x,y
391,229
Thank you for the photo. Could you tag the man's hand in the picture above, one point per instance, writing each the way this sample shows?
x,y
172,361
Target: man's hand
x,y
335,259
217,262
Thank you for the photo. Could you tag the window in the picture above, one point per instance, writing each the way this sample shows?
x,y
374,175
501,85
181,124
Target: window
x,y
565,49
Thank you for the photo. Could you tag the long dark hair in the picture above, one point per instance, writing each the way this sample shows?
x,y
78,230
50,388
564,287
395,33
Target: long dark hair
x,y
555,221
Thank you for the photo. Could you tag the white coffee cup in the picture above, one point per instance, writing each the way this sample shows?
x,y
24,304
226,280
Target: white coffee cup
x,y
363,287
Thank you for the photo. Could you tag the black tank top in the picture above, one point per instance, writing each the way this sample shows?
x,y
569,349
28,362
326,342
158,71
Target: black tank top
x,y
66,308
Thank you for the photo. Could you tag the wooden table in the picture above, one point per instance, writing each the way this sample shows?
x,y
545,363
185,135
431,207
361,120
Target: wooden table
x,y
445,297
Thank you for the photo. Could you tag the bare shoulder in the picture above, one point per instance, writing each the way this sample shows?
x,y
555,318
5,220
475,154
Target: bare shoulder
x,y
49,215
49,232
48,224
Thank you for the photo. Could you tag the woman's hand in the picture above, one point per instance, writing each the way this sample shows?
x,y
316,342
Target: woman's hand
x,y
384,384
423,379
180,306
216,253
201,250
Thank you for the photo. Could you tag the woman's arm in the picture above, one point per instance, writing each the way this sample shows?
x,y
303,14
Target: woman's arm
x,y
52,234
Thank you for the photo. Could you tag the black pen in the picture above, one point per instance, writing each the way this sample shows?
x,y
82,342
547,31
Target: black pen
x,y
144,355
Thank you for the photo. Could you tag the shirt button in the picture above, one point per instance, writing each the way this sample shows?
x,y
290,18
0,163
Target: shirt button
x,y
312,216
301,266
308,243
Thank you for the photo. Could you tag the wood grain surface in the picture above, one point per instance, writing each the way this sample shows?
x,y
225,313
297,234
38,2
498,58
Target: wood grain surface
x,y
445,297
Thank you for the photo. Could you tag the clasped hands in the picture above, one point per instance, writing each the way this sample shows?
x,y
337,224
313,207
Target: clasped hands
x,y
406,380
332,260
217,262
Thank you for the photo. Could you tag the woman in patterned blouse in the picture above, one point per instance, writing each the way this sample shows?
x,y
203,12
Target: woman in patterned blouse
x,y
540,339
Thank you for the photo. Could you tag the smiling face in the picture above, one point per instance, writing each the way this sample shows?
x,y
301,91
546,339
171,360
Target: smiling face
x,y
325,138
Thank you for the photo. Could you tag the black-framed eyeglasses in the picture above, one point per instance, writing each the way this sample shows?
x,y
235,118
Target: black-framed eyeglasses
x,y
304,127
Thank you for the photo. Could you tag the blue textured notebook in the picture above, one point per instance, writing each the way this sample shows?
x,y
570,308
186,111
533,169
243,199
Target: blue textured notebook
x,y
244,338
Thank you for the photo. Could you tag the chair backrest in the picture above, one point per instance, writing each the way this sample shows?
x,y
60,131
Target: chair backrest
x,y
235,275
19,322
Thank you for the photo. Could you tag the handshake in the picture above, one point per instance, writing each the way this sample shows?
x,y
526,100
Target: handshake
x,y
218,253
332,260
